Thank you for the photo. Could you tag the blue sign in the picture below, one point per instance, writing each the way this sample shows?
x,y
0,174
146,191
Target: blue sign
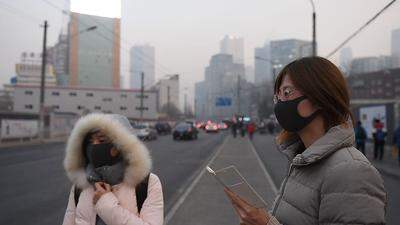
x,y
223,101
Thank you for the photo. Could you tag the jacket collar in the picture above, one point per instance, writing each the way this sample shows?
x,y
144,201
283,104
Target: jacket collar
x,y
335,139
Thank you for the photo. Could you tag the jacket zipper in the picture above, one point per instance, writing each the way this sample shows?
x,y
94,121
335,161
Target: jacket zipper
x,y
283,190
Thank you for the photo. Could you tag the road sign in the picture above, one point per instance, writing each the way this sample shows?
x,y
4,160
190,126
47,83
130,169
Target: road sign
x,y
223,101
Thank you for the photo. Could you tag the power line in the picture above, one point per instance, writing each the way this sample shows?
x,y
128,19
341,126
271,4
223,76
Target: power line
x,y
360,29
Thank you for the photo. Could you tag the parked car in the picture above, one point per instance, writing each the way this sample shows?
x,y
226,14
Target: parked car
x,y
145,132
162,128
211,127
185,131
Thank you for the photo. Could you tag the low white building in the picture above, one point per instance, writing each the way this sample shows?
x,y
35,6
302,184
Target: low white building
x,y
81,100
168,91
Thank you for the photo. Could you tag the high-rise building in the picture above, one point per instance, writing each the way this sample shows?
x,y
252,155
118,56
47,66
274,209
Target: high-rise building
x,y
285,51
371,64
346,56
249,74
223,79
58,57
142,59
200,101
94,57
262,64
396,47
233,46
29,70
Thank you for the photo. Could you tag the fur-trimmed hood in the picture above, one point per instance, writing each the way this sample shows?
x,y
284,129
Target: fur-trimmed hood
x,y
119,130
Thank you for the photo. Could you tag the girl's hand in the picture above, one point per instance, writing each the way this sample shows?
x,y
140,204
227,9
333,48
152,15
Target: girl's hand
x,y
101,188
249,215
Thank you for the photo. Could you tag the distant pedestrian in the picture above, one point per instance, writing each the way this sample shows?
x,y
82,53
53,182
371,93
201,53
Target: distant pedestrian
x,y
251,128
379,136
361,136
271,126
396,141
110,171
234,128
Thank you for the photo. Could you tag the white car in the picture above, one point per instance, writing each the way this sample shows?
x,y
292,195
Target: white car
x,y
144,132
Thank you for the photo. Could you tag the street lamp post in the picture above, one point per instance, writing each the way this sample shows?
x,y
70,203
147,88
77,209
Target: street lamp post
x,y
314,18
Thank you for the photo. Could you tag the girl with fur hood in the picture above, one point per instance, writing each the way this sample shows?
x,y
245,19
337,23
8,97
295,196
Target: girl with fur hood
x,y
110,171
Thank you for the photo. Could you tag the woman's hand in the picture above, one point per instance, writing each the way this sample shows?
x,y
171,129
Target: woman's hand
x,y
249,215
101,188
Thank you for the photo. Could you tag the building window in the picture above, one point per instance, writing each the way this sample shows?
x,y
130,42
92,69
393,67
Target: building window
x,y
107,99
79,107
123,108
388,84
378,82
97,107
72,94
28,92
89,94
144,96
144,108
124,96
28,106
55,93
56,107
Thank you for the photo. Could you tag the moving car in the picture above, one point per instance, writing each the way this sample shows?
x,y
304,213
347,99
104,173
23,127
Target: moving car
x,y
145,132
185,131
211,127
222,126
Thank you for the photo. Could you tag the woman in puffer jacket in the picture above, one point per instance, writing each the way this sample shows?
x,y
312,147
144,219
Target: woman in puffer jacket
x,y
111,174
329,182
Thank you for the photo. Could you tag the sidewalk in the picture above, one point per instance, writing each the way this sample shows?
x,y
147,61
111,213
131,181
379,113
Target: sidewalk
x,y
388,165
205,203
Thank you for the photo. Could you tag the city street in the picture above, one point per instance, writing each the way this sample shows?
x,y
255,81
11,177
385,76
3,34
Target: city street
x,y
276,164
35,188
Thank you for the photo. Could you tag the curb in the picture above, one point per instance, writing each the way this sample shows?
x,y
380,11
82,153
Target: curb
x,y
31,143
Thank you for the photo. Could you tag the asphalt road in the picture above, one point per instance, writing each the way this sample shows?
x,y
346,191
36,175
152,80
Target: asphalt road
x,y
34,188
276,164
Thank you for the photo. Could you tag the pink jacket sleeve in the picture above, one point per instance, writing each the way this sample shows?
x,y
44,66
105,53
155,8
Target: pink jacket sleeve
x,y
152,213
69,217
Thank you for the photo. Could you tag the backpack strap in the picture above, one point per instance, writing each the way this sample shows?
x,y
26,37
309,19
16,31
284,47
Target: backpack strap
x,y
141,192
77,193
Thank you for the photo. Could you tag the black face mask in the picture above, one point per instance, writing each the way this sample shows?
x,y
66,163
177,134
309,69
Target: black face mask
x,y
100,155
289,118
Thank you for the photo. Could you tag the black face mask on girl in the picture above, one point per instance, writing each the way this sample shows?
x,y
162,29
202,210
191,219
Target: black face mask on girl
x,y
289,118
103,167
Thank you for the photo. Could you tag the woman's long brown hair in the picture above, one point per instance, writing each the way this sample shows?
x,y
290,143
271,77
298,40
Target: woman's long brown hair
x,y
323,84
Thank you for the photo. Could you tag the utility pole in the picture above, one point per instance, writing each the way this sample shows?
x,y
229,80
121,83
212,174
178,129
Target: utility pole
x,y
42,82
141,95
238,94
314,41
185,103
168,101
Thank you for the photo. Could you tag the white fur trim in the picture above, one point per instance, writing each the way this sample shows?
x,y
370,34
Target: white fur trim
x,y
133,150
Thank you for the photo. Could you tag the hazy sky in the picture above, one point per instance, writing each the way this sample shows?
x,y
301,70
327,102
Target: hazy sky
x,y
186,33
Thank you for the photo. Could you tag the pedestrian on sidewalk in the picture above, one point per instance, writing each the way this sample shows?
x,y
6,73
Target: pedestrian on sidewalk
x,y
329,181
361,136
251,128
379,135
234,127
110,171
396,141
